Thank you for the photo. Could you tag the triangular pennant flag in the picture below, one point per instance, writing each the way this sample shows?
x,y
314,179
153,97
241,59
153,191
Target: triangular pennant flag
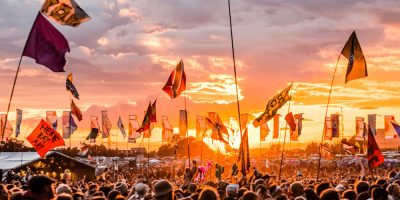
x,y
71,87
76,111
176,83
357,66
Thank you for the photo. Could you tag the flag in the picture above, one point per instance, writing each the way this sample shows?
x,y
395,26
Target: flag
x,y
335,125
65,12
66,124
264,131
183,123
276,126
105,124
290,121
390,132
176,83
375,157
372,123
244,153
327,152
76,111
84,150
121,127
360,128
94,125
18,122
167,130
46,45
396,127
6,127
201,127
299,122
357,66
71,87
72,125
93,135
149,117
218,130
44,138
133,127
244,118
273,106
328,129
51,118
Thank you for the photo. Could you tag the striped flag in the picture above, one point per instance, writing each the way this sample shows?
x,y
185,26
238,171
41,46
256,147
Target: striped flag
x,y
201,127
76,111
176,83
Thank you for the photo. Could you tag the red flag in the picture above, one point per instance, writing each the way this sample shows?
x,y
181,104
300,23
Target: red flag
x,y
375,157
46,45
176,83
44,138
76,111
217,127
149,117
290,120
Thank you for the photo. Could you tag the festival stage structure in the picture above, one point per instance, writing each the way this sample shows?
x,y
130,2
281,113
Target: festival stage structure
x,y
53,164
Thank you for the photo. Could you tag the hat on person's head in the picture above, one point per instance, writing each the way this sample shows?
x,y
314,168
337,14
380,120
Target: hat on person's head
x,y
162,188
340,188
37,182
121,187
232,189
140,187
63,188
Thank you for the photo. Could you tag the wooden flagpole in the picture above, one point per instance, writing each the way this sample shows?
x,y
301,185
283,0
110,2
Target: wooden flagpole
x,y
326,114
236,85
9,103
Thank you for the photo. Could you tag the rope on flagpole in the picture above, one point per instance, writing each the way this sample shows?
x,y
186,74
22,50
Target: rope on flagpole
x,y
9,104
326,114
284,138
236,87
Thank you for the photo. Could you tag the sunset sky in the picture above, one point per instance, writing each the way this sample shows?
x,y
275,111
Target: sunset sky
x,y
123,56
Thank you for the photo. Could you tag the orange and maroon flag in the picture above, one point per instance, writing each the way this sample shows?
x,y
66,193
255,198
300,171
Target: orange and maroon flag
x,y
76,111
290,120
149,117
176,83
375,157
217,127
44,138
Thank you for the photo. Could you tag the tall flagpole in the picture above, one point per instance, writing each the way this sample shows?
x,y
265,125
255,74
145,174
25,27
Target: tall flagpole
x,y
284,140
236,84
187,134
9,103
326,114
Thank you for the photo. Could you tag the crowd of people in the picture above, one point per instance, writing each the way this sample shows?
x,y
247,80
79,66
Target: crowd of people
x,y
171,182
